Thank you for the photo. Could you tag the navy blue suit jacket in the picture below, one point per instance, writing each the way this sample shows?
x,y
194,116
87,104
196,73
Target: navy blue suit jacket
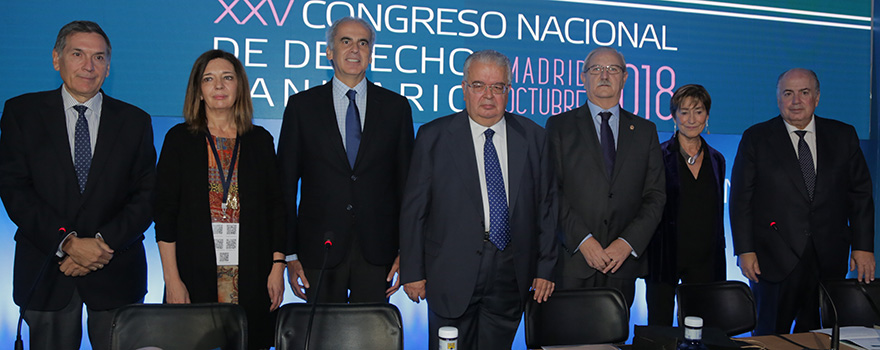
x,y
767,186
442,224
39,188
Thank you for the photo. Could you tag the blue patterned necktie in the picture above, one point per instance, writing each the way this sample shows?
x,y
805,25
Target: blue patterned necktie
x,y
352,128
609,151
805,158
499,228
82,155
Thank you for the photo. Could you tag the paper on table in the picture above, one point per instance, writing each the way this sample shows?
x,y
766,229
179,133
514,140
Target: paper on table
x,y
865,337
852,332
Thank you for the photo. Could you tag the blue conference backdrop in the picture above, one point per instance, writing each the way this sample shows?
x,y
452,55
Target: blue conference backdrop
x,y
736,49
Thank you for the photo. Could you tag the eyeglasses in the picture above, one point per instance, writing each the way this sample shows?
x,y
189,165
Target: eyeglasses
x,y
597,69
480,87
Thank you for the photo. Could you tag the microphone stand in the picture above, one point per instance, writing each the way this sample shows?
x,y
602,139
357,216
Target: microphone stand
x,y
19,344
835,327
328,243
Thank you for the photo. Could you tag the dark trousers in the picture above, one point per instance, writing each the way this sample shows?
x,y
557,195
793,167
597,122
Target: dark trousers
x,y
627,286
62,329
660,295
795,299
354,280
494,310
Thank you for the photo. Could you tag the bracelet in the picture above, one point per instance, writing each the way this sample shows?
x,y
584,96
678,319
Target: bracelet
x,y
279,261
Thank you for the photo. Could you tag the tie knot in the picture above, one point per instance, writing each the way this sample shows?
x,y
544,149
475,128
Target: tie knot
x,y
351,94
800,133
489,133
81,109
605,116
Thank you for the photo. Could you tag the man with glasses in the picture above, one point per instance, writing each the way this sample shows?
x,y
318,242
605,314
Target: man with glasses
x,y
610,179
479,213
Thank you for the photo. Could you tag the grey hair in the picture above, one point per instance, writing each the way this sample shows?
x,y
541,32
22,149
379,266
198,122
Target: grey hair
x,y
79,27
603,49
331,32
808,71
489,56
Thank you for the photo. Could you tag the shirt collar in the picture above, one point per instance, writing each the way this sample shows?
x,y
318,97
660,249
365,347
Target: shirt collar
x,y
340,89
477,130
594,111
94,103
810,128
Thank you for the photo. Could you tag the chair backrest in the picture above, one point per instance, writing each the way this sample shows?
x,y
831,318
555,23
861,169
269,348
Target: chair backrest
x,y
340,326
179,326
577,316
853,305
727,305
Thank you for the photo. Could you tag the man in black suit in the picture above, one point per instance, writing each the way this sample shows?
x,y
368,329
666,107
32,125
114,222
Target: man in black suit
x,y
611,182
349,143
477,228
800,198
80,217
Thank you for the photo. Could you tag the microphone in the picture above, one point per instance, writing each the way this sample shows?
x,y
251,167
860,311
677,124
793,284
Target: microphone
x,y
835,327
19,344
328,243
328,239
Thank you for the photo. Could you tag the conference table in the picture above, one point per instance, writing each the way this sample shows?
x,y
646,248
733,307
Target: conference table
x,y
797,341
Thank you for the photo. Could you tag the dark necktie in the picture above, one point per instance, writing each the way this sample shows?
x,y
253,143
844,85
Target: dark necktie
x,y
609,152
82,154
499,228
805,158
352,128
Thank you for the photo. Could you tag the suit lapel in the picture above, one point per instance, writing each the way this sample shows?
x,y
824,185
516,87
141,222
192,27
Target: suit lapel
x,y
584,122
56,128
517,150
372,123
462,144
780,143
325,115
824,145
108,132
625,135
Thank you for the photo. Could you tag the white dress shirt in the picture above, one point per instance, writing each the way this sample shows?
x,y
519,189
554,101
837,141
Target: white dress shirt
x,y
499,140
809,137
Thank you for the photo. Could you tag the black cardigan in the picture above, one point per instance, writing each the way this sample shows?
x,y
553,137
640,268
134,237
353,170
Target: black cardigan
x,y
182,215
662,255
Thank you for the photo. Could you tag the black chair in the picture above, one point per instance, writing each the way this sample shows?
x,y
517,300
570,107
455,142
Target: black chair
x,y
576,317
179,326
340,326
728,305
855,306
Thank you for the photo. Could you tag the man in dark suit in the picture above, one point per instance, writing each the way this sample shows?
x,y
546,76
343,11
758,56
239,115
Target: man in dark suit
x,y
611,182
349,142
800,198
477,228
80,217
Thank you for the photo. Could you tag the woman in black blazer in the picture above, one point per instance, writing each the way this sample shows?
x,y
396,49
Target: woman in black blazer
x,y
220,235
689,241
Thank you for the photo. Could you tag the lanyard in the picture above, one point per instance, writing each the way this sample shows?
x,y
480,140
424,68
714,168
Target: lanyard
x,y
226,181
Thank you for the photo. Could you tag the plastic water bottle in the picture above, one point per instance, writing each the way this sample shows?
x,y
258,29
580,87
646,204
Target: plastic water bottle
x,y
448,338
693,334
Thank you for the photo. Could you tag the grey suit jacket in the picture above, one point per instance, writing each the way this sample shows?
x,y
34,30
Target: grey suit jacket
x,y
441,225
629,205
